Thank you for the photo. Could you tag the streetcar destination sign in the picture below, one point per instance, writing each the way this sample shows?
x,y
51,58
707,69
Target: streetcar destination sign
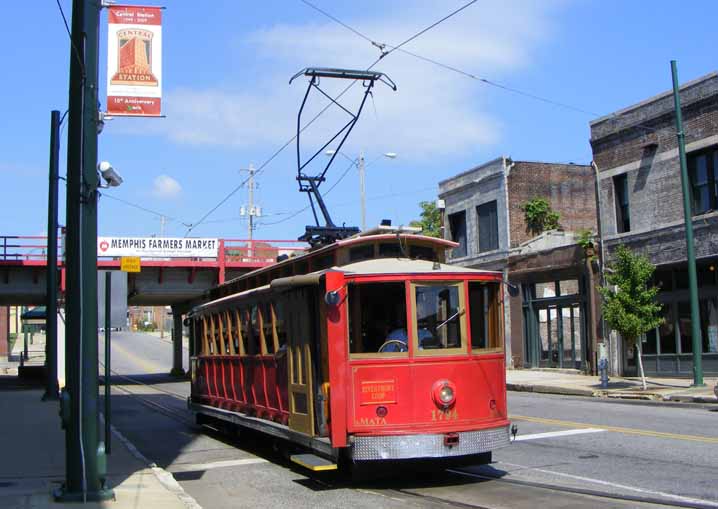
x,y
158,247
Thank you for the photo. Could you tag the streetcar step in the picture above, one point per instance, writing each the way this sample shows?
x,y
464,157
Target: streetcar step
x,y
313,462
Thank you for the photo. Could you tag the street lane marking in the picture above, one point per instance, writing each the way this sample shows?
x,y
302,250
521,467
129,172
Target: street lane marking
x,y
663,494
192,467
617,429
149,366
553,434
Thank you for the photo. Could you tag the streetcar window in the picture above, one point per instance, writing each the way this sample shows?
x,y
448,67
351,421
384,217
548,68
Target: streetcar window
x,y
244,329
234,316
267,327
390,250
361,253
439,316
323,262
254,337
484,310
422,253
377,318
279,325
222,321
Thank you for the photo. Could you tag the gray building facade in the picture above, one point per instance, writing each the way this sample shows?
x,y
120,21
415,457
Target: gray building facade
x,y
547,303
641,206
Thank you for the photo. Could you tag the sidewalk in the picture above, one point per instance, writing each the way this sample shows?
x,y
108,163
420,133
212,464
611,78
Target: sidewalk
x,y
566,382
32,449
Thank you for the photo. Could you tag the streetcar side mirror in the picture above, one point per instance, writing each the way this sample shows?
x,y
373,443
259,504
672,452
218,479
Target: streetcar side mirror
x,y
332,298
187,322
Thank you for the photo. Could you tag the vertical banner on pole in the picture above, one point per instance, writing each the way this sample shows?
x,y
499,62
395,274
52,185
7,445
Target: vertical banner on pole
x,y
134,61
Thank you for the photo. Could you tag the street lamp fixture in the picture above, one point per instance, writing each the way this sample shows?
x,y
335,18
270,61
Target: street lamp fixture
x,y
361,166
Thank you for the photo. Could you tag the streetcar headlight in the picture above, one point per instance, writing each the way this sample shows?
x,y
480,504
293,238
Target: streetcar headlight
x,y
444,393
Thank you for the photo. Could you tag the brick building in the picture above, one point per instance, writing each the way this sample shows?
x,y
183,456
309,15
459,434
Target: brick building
x,y
547,307
640,202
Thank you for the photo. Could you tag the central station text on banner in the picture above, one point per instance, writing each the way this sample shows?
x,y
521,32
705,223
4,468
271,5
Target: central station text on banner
x,y
155,247
134,61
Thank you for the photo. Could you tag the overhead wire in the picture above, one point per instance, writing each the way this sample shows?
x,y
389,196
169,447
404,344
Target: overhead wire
x,y
145,209
383,54
467,74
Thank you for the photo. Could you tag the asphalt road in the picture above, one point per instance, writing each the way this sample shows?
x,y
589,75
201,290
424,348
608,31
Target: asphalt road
x,y
569,452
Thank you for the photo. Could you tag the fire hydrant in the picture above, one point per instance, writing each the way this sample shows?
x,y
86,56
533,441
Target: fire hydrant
x,y
603,372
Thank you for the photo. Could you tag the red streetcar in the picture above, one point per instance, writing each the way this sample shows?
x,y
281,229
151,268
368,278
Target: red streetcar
x,y
369,348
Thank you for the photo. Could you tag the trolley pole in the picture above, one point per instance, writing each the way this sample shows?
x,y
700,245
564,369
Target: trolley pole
x,y
51,386
687,213
85,459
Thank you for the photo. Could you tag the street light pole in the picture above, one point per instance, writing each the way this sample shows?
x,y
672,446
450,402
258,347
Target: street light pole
x,y
362,190
51,386
688,217
85,460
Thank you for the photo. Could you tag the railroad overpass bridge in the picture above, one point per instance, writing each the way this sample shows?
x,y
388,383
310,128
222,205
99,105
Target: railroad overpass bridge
x,y
163,280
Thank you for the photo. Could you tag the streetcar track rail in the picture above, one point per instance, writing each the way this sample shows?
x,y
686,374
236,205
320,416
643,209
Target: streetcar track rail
x,y
588,492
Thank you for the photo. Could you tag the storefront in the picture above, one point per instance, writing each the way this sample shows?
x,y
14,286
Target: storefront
x,y
668,350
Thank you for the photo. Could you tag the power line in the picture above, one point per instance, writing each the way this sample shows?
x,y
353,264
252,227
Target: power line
x,y
466,73
321,112
144,209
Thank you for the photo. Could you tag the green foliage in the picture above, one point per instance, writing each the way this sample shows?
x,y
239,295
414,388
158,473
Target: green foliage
x,y
632,309
585,238
430,221
143,326
539,216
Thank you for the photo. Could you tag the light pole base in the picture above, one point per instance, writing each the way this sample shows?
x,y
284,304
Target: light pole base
x,y
178,372
102,495
697,386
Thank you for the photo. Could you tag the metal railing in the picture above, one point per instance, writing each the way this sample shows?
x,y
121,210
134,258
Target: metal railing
x,y
24,248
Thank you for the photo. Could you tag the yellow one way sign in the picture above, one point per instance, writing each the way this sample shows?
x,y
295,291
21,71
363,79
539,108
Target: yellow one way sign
x,y
130,263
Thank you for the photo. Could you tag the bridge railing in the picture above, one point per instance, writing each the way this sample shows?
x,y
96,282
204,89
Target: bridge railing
x,y
24,248
33,248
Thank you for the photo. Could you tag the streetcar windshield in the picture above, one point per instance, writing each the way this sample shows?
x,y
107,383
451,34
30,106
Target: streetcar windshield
x,y
377,319
440,317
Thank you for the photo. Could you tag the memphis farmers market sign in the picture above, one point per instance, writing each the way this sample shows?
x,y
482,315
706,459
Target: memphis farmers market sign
x,y
155,247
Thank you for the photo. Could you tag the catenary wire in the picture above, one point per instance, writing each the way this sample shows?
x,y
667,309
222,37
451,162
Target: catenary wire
x,y
145,209
467,74
74,48
321,112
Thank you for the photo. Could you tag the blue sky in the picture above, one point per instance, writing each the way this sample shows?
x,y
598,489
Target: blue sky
x,y
226,65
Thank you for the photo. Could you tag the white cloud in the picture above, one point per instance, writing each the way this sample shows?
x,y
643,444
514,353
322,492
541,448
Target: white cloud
x,y
435,112
165,186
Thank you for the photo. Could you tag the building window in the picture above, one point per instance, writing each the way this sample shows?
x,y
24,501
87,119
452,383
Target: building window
x,y
702,168
488,227
620,186
457,227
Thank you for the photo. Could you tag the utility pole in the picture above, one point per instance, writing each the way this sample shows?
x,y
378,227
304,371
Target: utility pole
x,y
51,386
85,459
362,189
688,217
251,210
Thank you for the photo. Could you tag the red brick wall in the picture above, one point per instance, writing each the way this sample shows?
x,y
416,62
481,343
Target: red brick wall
x,y
569,188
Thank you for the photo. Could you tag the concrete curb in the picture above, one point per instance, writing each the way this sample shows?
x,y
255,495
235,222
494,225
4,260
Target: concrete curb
x,y
603,394
164,477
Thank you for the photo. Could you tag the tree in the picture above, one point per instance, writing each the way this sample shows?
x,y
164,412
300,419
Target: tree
x,y
430,221
539,216
629,303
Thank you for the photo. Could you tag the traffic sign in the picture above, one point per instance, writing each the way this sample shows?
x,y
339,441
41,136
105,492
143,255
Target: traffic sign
x,y
130,263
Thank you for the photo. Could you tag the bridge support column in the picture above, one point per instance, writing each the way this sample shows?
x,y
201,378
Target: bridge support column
x,y
177,369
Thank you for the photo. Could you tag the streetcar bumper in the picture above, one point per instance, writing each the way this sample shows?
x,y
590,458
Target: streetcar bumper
x,y
388,447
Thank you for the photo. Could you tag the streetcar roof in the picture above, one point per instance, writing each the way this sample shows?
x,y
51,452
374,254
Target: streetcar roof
x,y
385,266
